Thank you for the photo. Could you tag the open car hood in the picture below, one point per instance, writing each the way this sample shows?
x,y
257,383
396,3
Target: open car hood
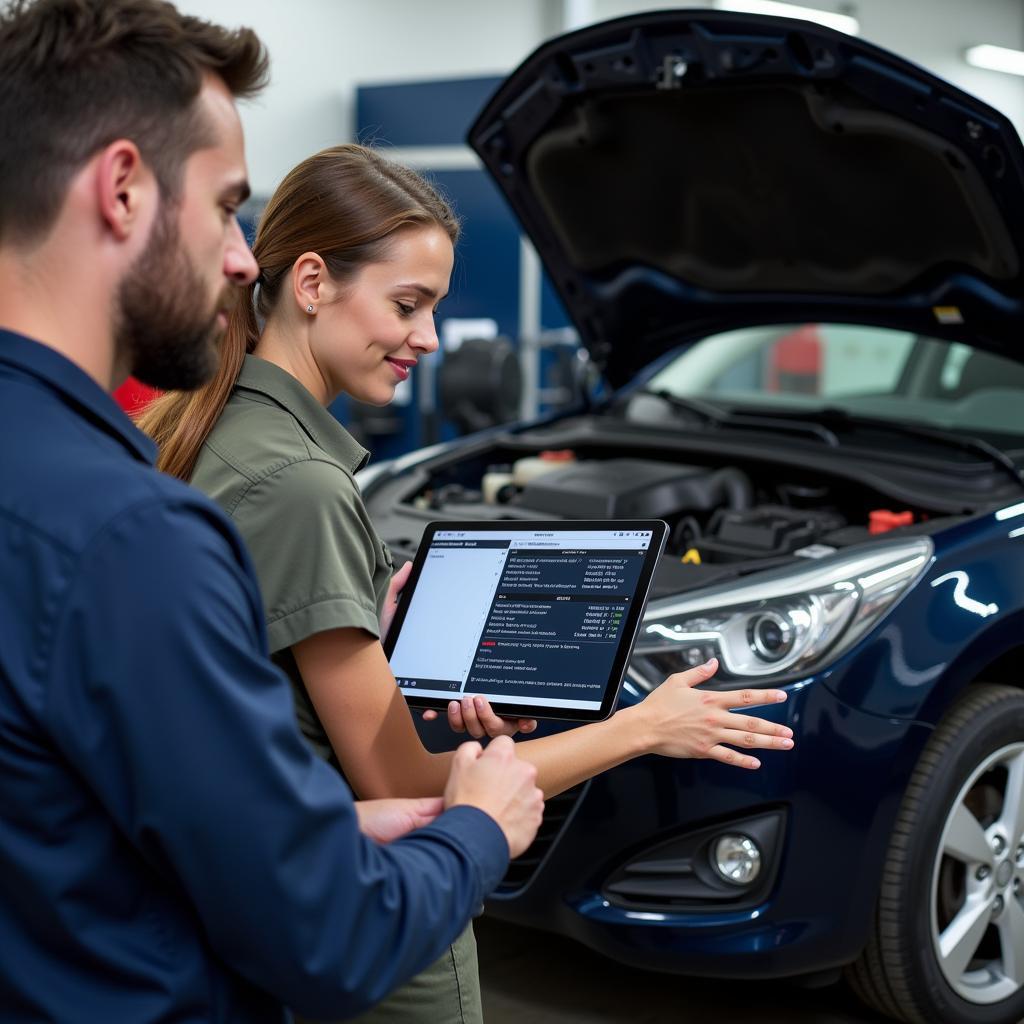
x,y
685,172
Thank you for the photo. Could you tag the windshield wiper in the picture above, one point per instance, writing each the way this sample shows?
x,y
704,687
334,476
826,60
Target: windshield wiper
x,y
715,417
817,422
702,410
837,417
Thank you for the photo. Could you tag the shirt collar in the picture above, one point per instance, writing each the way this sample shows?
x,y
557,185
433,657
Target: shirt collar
x,y
77,389
270,380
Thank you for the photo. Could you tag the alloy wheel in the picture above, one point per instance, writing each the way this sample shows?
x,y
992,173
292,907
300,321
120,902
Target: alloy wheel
x,y
977,884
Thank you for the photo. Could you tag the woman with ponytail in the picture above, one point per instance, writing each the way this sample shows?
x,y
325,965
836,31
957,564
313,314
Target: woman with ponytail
x,y
355,254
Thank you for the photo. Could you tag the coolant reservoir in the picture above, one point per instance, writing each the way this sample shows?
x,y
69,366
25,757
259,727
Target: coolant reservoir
x,y
493,481
532,466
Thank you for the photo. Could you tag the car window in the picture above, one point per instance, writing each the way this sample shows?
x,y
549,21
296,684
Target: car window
x,y
871,370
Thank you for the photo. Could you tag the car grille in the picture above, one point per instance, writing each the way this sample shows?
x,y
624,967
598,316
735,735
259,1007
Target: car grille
x,y
557,811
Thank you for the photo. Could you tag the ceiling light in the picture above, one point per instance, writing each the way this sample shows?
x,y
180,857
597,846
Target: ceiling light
x,y
840,22
996,58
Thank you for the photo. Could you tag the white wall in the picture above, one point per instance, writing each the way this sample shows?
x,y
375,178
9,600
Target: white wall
x,y
321,49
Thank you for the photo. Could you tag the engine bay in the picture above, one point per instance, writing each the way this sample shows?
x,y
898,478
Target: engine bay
x,y
726,517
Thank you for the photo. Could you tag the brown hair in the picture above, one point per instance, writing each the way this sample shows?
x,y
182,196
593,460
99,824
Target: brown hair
x,y
75,75
344,203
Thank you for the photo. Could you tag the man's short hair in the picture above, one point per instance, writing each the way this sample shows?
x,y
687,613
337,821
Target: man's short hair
x,y
76,75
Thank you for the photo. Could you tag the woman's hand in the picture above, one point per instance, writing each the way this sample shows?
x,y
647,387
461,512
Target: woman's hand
x,y
388,819
387,612
475,716
680,721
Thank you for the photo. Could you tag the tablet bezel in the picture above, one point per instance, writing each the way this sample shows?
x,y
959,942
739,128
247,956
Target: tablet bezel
x,y
627,641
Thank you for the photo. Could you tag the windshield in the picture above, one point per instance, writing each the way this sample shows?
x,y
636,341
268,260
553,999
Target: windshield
x,y
867,371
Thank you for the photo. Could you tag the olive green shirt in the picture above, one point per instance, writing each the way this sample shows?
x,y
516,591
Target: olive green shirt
x,y
281,466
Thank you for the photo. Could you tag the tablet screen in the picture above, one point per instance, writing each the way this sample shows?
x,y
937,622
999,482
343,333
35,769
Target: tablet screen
x,y
540,618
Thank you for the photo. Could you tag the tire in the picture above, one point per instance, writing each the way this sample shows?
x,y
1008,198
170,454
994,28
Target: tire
x,y
948,940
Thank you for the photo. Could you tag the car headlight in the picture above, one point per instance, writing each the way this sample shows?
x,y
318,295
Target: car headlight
x,y
781,623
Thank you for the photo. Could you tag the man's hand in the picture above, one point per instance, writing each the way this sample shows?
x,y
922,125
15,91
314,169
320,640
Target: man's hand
x,y
502,786
475,716
387,612
385,820
680,721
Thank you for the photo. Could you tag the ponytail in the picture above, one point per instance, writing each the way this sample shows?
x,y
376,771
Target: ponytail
x,y
180,421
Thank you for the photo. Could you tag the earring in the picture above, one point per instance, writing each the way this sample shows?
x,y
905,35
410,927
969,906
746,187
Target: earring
x,y
309,308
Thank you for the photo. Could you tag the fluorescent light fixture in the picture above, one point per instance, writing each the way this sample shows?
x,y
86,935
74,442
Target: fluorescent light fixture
x,y
996,58
841,22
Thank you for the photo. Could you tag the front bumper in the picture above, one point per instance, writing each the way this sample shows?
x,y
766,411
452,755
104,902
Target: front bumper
x,y
838,793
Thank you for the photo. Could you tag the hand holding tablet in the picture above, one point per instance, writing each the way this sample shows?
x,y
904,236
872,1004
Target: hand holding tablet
x,y
538,617
475,716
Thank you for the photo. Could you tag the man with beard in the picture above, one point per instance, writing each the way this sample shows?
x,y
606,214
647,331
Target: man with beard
x,y
162,326
169,846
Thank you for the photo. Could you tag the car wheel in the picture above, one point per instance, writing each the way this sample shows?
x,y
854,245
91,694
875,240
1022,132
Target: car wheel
x,y
948,940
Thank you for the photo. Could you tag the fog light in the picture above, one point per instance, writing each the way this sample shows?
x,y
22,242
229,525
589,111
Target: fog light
x,y
737,859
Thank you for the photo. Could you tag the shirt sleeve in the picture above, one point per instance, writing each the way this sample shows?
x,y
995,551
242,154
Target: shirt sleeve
x,y
161,698
314,549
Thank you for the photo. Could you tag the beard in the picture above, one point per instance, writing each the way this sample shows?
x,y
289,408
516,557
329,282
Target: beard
x,y
165,331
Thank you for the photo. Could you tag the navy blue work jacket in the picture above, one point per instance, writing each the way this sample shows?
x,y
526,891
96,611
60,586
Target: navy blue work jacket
x,y
170,849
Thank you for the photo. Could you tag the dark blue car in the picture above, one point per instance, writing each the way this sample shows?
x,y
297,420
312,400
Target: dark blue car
x,y
795,259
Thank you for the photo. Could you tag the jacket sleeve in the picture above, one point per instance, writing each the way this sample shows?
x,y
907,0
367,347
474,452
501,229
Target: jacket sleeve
x,y
161,696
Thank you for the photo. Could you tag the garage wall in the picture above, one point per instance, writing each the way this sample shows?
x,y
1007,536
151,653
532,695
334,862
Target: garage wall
x,y
321,49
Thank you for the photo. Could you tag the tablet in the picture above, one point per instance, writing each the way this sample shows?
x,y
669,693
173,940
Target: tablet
x,y
538,617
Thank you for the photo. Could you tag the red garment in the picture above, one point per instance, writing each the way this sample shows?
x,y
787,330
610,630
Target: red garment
x,y
133,396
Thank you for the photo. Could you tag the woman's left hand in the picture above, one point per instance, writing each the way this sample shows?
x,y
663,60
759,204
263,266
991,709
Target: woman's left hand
x,y
387,612
475,716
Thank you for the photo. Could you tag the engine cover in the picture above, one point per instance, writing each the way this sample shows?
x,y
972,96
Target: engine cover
x,y
621,489
766,531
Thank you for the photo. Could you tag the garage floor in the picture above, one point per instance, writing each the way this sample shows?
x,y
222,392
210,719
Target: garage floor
x,y
531,977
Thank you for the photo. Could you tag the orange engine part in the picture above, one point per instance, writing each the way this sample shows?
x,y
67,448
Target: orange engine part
x,y
881,520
